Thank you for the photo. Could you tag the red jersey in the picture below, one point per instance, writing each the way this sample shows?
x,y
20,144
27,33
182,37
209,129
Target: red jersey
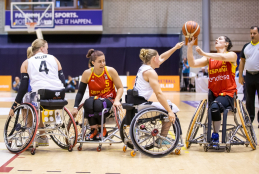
x,y
222,78
102,85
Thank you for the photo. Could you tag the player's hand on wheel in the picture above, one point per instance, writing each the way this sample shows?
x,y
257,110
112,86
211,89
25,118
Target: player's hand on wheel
x,y
171,116
74,112
117,104
11,112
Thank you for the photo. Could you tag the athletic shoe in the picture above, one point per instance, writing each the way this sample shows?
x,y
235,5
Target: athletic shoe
x,y
91,135
215,139
42,141
105,133
161,142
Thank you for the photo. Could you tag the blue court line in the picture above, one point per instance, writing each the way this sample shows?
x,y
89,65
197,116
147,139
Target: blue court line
x,y
192,103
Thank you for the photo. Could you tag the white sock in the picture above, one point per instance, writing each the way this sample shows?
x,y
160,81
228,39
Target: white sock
x,y
216,126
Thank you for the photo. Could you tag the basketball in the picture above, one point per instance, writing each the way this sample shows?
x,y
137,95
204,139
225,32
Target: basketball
x,y
191,29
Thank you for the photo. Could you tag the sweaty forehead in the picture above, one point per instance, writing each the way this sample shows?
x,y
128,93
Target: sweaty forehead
x,y
222,37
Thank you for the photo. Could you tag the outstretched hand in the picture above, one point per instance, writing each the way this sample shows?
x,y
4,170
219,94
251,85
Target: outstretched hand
x,y
200,51
192,41
179,45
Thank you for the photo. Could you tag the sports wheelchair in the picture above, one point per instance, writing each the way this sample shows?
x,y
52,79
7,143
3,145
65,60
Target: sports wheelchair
x,y
83,127
141,128
21,129
232,134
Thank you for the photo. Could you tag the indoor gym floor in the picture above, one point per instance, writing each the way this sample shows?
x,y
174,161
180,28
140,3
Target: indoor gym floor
x,y
113,160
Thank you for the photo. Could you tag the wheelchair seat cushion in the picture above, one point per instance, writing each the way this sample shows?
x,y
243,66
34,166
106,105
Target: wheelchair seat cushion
x,y
51,94
53,104
132,97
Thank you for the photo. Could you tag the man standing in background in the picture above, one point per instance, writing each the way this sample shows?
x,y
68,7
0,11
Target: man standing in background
x,y
250,61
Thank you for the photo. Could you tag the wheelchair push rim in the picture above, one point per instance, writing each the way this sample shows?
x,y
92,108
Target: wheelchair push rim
x,y
19,129
119,114
150,133
246,123
197,117
78,120
70,125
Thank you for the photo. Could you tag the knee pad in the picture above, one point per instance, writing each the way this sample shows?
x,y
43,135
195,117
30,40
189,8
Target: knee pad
x,y
94,107
216,109
89,106
99,105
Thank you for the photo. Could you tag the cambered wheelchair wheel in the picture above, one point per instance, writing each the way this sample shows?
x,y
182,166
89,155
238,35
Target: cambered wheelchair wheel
x,y
247,125
119,115
197,118
20,130
67,128
125,134
146,129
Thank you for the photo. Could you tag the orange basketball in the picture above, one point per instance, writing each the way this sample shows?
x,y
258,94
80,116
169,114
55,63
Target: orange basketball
x,y
191,29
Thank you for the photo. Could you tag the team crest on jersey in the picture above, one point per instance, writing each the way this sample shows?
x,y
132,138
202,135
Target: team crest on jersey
x,y
105,76
57,94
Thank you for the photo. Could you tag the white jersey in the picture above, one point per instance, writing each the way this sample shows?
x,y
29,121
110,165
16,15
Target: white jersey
x,y
252,57
143,87
145,90
43,72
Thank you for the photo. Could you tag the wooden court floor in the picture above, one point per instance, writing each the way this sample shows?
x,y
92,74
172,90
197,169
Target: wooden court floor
x,y
112,160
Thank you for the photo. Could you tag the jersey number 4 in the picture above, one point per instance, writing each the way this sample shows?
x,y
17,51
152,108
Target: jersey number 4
x,y
43,67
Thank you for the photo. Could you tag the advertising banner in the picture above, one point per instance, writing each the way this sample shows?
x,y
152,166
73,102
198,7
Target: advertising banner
x,y
63,20
5,83
167,83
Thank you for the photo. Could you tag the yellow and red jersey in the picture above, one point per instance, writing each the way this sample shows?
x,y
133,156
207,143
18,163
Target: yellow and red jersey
x,y
222,78
101,85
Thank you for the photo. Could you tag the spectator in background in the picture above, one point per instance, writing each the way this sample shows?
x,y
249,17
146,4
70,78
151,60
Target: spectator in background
x,y
16,84
186,72
203,72
70,84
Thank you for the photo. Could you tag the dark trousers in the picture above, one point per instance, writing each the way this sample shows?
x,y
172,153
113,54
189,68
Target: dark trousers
x,y
70,89
186,80
252,84
223,103
244,89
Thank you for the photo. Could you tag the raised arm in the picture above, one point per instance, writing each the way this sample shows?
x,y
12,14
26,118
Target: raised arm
x,y
153,81
228,57
118,84
163,57
198,62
